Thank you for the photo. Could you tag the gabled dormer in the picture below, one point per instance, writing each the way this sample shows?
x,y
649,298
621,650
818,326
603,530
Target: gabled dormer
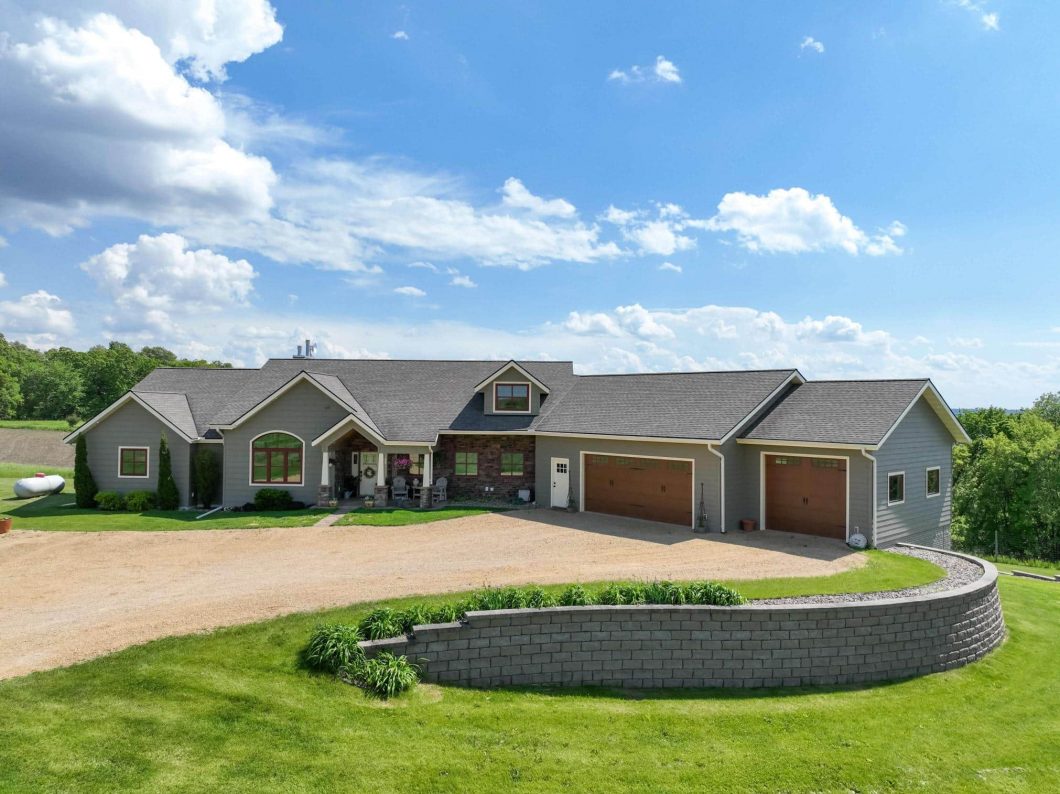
x,y
512,391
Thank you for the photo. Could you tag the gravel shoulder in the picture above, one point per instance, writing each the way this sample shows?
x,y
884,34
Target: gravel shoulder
x,y
71,596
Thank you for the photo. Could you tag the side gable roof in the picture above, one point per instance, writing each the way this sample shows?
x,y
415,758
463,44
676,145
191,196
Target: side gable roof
x,y
854,412
170,402
681,405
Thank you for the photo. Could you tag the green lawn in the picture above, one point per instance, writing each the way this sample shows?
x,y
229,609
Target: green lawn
x,y
58,513
233,711
36,424
399,517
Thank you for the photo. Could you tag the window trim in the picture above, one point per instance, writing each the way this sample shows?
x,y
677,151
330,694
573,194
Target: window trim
x,y
522,465
927,489
529,396
455,463
250,460
895,474
147,467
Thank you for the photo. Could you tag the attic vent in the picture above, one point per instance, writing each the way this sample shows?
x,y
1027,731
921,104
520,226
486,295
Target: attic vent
x,y
310,349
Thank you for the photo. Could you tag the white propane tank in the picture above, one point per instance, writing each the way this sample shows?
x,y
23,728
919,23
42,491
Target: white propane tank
x,y
41,485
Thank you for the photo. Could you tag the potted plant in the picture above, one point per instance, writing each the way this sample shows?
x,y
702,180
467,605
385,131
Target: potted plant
x,y
5,524
369,501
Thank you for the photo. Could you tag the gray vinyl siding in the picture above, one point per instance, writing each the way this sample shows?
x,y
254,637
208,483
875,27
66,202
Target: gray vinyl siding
x,y
707,471
132,426
744,468
511,375
919,441
304,411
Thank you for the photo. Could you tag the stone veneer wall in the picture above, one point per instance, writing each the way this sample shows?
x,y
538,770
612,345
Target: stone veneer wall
x,y
489,449
695,646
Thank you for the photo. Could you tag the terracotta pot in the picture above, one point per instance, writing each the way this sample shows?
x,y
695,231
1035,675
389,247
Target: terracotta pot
x,y
748,524
5,525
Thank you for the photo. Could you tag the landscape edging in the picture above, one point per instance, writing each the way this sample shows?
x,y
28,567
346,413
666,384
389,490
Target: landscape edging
x,y
753,645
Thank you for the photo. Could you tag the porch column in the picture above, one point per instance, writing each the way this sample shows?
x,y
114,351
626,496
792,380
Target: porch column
x,y
428,478
380,472
325,470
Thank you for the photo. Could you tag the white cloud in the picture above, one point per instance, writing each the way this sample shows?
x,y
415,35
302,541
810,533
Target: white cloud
x,y
38,312
662,71
990,20
158,275
810,43
795,221
3,280
670,266
660,235
400,35
968,342
462,281
518,197
412,292
424,266
97,122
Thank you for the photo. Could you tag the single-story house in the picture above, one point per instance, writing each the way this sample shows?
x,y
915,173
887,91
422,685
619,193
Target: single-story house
x,y
697,449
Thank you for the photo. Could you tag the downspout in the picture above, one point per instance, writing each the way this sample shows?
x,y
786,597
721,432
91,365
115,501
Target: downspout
x,y
721,457
874,503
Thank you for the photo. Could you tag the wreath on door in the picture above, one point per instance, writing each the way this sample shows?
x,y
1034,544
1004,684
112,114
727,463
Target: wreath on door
x,y
369,472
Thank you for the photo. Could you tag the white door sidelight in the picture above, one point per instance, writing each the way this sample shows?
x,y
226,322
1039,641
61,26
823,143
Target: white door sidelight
x,y
560,481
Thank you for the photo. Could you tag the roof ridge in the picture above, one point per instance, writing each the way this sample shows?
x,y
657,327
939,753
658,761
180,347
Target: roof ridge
x,y
685,372
418,361
870,380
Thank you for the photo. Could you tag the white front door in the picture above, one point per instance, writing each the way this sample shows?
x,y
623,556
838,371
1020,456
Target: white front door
x,y
560,481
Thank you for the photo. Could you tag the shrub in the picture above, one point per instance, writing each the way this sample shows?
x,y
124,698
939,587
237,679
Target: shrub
x,y
386,675
85,489
333,647
168,495
140,501
447,613
574,596
380,624
664,593
272,499
207,476
110,500
536,598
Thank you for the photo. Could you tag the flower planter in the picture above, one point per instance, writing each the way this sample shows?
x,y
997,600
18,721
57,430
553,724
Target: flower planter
x,y
748,524
5,525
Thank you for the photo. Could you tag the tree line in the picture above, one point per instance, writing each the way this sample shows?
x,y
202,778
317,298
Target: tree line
x,y
1006,483
74,385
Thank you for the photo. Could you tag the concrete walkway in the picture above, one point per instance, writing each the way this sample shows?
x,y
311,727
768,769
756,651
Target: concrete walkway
x,y
70,596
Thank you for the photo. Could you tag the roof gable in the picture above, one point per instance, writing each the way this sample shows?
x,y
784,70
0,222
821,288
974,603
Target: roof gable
x,y
512,364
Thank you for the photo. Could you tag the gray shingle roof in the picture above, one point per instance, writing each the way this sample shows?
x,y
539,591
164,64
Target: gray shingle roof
x,y
838,412
407,400
700,405
205,389
173,407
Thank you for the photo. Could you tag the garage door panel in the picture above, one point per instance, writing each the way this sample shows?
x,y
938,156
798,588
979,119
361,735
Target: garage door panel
x,y
806,495
644,488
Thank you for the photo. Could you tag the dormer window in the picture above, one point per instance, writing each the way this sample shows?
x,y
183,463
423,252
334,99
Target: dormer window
x,y
511,397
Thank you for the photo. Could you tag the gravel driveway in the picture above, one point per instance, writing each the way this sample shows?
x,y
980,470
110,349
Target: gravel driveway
x,y
70,596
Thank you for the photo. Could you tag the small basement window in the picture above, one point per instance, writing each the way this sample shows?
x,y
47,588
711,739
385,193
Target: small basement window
x,y
511,464
466,464
934,481
132,461
896,488
511,397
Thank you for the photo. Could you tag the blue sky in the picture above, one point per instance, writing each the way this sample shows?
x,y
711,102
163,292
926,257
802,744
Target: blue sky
x,y
856,190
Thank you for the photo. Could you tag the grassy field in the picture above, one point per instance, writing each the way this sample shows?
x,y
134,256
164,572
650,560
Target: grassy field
x,y
233,711
398,517
58,513
36,424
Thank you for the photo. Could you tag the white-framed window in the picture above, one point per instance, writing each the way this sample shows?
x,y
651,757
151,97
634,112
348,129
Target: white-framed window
x,y
511,464
511,397
896,488
134,462
933,481
466,464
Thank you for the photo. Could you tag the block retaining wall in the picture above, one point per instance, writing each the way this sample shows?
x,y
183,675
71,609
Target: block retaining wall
x,y
699,646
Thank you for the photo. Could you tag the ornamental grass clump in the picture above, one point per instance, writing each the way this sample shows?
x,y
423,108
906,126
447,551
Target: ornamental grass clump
x,y
386,675
712,594
574,596
381,623
334,647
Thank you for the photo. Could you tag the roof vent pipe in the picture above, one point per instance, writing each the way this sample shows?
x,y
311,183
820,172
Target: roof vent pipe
x,y
299,353
309,349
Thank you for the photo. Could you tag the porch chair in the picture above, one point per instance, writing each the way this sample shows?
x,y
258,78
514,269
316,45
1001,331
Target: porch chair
x,y
438,491
400,489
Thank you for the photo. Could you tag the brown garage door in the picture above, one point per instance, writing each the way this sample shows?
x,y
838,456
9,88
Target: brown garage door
x,y
807,495
649,488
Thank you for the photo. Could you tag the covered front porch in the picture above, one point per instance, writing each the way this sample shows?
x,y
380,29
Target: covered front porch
x,y
356,464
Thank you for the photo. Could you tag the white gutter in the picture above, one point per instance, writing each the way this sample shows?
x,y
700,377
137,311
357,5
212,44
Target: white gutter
x,y
874,503
721,457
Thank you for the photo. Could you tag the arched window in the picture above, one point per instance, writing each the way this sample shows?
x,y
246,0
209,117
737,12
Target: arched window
x,y
276,458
